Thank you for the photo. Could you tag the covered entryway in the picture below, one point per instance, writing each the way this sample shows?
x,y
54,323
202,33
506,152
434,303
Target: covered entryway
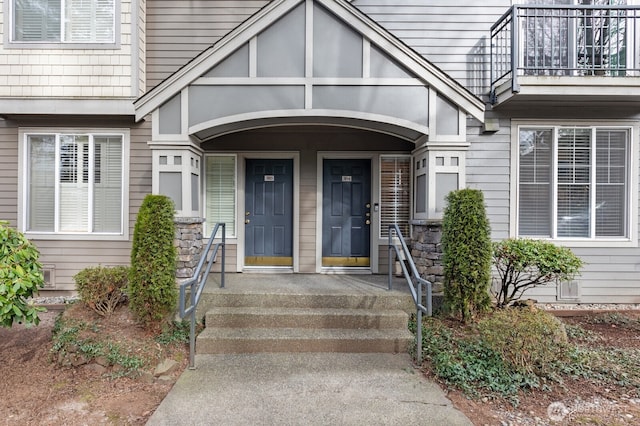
x,y
346,213
269,212
318,82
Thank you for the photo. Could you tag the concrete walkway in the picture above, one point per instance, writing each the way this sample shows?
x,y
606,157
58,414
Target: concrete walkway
x,y
305,389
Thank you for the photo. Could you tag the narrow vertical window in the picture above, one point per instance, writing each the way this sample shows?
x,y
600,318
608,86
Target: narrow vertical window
x,y
220,181
394,194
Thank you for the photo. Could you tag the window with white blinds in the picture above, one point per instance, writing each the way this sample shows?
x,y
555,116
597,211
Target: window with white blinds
x,y
75,183
220,187
395,207
64,21
573,182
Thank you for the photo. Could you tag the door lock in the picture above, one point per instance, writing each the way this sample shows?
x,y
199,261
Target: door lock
x,y
247,221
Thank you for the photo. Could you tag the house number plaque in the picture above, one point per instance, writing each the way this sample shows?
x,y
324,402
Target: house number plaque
x,y
346,178
269,178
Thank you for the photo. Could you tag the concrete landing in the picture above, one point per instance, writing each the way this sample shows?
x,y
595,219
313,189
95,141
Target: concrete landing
x,y
306,389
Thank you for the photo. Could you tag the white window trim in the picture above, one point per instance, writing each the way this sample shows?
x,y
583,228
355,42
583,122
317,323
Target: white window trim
x,y
9,43
23,167
634,168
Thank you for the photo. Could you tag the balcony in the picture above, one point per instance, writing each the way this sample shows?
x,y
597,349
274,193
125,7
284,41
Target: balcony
x,y
566,54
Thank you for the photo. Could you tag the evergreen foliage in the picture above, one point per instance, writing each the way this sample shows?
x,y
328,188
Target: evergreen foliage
x,y
466,247
20,277
152,291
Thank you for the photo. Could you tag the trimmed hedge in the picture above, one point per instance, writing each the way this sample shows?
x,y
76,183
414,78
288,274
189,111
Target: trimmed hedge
x,y
466,247
152,291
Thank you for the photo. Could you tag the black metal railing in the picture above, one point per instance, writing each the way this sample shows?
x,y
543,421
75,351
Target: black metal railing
x,y
195,285
398,251
579,40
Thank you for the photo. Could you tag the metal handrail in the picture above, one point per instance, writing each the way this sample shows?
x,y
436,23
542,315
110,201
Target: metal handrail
x,y
410,276
196,284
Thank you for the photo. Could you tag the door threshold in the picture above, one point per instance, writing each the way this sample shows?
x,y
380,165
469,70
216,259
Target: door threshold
x,y
346,270
268,270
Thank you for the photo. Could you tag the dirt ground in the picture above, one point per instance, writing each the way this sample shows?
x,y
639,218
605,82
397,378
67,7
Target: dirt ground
x,y
36,391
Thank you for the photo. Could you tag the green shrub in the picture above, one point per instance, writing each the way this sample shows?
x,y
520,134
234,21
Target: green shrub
x,y
466,247
530,340
152,278
467,363
102,288
524,263
20,277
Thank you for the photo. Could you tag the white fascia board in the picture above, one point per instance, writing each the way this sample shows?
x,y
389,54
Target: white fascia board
x,y
207,59
431,75
53,106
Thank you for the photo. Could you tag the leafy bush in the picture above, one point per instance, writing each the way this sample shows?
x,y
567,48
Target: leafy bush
x,y
466,247
102,288
524,263
20,277
530,340
152,277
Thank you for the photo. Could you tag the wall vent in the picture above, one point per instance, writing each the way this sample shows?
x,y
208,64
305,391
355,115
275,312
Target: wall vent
x,y
49,272
568,291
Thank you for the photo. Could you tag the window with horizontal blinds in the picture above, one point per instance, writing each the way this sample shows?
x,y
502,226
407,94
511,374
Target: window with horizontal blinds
x,y
75,183
535,182
576,179
107,184
395,198
66,21
220,182
611,182
37,20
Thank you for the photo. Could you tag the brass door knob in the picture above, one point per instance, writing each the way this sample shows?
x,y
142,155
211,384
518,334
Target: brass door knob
x,y
367,222
247,221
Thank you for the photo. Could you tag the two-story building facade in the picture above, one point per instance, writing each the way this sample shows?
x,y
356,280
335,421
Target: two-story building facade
x,y
309,126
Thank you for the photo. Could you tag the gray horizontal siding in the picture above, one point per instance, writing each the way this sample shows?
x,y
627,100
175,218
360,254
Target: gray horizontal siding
x,y
610,275
68,257
8,173
179,31
452,35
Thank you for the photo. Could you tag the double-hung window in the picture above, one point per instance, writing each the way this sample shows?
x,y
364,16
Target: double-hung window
x,y
63,21
574,182
74,183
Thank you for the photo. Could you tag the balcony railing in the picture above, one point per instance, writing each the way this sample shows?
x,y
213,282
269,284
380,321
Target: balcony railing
x,y
565,41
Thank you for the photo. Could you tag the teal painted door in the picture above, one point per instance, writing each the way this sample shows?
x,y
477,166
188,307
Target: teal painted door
x,y
269,212
346,212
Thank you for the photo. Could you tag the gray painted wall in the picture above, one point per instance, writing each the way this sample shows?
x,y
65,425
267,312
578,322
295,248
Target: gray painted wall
x,y
177,31
452,35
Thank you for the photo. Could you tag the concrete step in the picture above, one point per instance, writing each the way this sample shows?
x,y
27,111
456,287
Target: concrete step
x,y
216,340
381,300
331,318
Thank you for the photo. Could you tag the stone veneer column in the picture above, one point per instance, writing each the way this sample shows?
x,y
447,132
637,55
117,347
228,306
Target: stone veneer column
x,y
188,240
426,250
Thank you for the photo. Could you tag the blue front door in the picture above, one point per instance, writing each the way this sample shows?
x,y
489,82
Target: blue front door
x,y
346,213
269,213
